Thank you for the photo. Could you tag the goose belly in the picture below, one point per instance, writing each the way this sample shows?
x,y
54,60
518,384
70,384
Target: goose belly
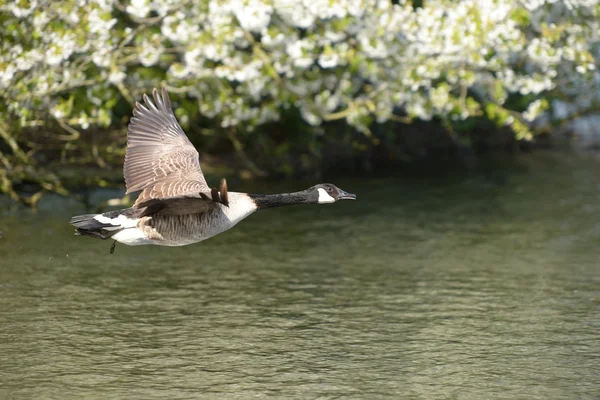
x,y
181,230
132,237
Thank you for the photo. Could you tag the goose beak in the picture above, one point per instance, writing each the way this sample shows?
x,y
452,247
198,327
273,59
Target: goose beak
x,y
346,196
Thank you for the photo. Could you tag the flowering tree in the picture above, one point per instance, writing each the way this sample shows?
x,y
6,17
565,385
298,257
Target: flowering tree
x,y
242,63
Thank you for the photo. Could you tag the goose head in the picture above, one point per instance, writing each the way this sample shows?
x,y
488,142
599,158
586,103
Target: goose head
x,y
329,193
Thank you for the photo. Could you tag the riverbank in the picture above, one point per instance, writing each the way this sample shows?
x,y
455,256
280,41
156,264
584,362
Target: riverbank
x,y
95,159
495,167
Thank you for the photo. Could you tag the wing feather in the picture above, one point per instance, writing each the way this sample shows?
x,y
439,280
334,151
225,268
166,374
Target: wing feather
x,y
182,205
160,160
197,203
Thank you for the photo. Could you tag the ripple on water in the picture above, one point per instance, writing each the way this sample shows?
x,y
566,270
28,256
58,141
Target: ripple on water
x,y
452,289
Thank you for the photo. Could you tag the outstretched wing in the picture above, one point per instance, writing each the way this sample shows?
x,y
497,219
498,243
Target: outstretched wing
x,y
160,160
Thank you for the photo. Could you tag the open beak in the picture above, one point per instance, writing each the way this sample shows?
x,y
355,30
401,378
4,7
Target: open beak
x,y
346,196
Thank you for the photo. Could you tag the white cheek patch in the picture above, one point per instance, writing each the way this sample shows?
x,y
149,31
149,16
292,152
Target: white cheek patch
x,y
324,197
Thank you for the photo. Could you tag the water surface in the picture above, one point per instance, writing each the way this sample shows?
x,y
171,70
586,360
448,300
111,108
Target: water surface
x,y
469,286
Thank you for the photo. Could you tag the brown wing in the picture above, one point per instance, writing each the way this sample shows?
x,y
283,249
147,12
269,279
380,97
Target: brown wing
x,y
181,205
160,160
198,203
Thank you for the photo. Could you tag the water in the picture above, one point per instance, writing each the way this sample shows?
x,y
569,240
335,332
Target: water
x,y
469,286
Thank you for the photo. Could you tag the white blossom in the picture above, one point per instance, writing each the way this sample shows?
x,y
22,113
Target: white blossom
x,y
139,8
253,15
533,110
329,60
297,13
116,77
98,24
245,60
150,51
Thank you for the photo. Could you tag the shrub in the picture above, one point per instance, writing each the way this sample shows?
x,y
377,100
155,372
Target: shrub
x,y
67,66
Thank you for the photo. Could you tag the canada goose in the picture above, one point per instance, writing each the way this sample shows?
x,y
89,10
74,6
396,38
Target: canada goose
x,y
176,207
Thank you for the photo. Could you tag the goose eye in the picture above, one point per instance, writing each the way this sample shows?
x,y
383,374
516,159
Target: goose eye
x,y
330,189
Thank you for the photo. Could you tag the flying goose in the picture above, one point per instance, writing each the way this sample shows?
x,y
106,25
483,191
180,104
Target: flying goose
x,y
176,207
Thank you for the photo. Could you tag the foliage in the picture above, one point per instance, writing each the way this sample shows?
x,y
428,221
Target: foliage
x,y
241,64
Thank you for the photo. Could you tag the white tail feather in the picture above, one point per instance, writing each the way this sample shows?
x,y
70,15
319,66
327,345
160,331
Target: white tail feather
x,y
119,222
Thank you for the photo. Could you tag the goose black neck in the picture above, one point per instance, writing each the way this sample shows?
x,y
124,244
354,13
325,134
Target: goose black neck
x,y
283,199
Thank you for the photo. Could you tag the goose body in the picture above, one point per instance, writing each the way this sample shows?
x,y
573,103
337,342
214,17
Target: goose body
x,y
176,207
176,230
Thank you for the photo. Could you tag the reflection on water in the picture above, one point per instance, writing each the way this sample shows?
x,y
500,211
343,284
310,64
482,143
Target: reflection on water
x,y
479,286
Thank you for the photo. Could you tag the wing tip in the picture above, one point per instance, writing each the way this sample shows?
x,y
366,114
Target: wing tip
x,y
166,101
148,102
161,102
157,100
139,109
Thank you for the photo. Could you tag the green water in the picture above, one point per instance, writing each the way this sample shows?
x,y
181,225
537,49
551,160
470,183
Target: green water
x,y
479,285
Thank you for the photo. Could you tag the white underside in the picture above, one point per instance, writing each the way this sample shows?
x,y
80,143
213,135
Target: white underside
x,y
130,234
132,237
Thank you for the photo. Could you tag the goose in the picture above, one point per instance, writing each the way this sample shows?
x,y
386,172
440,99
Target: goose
x,y
176,207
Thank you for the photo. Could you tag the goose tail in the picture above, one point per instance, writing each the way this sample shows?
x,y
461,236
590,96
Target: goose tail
x,y
103,226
